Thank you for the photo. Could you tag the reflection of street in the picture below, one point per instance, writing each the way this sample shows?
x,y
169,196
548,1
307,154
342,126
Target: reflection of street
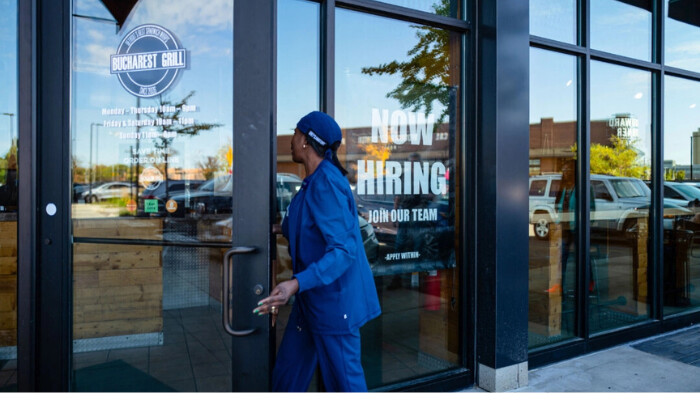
x,y
82,211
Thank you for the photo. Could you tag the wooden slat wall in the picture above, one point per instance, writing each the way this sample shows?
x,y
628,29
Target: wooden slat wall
x,y
8,283
117,289
545,289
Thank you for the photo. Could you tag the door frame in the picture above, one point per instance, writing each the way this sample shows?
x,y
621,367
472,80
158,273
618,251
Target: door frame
x,y
45,287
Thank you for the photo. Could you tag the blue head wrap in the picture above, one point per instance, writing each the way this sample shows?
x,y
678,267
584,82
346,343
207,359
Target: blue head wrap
x,y
320,127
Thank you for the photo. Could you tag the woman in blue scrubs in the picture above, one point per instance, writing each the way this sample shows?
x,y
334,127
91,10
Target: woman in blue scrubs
x,y
332,281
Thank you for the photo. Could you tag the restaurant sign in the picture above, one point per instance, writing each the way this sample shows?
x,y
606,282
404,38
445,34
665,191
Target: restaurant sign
x,y
148,60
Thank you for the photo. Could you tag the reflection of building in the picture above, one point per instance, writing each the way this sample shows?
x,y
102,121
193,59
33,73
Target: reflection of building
x,y
694,152
551,142
357,144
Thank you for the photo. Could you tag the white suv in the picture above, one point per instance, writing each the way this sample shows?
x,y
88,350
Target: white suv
x,y
619,201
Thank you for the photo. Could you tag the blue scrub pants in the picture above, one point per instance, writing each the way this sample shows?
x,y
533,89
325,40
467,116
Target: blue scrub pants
x,y
301,351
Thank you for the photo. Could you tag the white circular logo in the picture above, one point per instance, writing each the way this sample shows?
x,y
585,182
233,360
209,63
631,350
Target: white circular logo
x,y
148,60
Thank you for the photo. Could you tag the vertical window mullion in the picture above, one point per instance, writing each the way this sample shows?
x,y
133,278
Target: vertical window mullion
x,y
328,57
656,282
583,178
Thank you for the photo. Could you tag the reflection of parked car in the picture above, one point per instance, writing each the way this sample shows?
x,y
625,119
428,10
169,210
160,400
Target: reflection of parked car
x,y
215,196
680,191
619,201
108,190
79,188
287,186
175,187
212,197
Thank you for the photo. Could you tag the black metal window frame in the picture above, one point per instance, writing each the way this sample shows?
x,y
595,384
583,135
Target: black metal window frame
x,y
464,375
584,342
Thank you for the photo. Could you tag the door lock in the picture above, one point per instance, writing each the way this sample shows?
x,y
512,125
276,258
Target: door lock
x,y
258,289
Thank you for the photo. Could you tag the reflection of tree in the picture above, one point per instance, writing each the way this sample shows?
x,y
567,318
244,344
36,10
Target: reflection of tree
x,y
8,162
426,76
618,159
377,152
171,125
671,174
209,166
8,179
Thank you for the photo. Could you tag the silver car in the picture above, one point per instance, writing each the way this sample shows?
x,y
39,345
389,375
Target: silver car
x,y
106,191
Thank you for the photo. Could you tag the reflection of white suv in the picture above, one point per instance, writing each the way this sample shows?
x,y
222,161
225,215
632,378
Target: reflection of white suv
x,y
619,201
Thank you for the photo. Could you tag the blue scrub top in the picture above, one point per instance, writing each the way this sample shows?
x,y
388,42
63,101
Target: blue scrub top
x,y
337,294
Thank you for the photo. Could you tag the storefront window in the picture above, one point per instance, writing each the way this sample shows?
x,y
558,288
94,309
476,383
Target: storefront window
x,y
622,27
8,195
152,110
682,30
553,132
620,166
448,8
681,272
553,19
397,88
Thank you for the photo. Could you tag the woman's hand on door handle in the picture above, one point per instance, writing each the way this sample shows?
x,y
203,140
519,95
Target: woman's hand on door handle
x,y
278,297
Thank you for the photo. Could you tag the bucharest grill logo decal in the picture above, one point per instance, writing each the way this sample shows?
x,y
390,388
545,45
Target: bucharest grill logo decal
x,y
148,60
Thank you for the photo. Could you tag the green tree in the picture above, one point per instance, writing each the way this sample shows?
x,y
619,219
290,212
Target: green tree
x,y
618,159
426,75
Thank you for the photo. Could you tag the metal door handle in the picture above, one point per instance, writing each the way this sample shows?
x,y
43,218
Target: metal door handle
x,y
238,250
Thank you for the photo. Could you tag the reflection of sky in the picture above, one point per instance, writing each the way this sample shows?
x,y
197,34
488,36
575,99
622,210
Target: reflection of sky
x,y
620,28
552,86
620,90
8,72
298,70
555,19
682,44
206,31
682,107
368,41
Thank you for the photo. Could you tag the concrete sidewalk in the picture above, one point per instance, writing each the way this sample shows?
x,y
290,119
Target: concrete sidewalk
x,y
669,362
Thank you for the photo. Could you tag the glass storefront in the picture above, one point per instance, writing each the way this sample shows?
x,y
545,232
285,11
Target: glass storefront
x,y
681,270
553,126
152,158
620,162
612,119
151,170
8,195
397,99
623,104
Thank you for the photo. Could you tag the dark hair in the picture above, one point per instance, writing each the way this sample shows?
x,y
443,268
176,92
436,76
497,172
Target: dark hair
x,y
321,151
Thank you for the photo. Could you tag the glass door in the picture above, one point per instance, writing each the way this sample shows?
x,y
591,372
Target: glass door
x,y
156,202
